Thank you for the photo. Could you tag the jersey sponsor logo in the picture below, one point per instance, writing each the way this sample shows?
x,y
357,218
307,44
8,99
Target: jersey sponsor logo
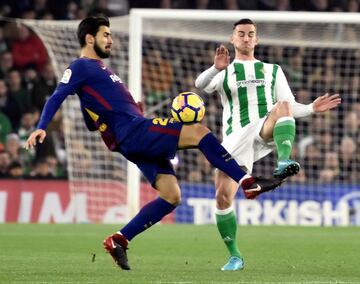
x,y
66,76
115,78
252,82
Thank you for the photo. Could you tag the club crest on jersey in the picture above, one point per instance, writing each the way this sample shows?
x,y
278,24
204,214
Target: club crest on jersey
x,y
115,78
66,76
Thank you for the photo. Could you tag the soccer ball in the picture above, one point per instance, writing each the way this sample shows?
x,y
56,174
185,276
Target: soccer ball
x,y
188,107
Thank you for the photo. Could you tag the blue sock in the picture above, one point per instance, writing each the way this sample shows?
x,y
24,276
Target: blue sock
x,y
219,157
150,214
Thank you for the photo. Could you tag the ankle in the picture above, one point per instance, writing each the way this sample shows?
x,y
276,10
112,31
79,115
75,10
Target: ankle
x,y
120,239
246,180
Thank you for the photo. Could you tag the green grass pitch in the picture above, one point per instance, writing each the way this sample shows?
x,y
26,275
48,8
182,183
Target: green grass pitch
x,y
178,254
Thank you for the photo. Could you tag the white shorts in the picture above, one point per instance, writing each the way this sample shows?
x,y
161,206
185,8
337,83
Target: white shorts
x,y
246,146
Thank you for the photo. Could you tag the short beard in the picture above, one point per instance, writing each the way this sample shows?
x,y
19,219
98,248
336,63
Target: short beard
x,y
99,52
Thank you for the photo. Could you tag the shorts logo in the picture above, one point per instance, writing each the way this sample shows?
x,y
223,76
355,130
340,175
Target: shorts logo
x,y
66,76
102,127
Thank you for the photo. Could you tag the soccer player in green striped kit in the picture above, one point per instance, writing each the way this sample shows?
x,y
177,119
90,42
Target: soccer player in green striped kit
x,y
258,117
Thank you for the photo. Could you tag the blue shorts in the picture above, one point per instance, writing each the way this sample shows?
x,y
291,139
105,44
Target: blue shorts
x,y
151,145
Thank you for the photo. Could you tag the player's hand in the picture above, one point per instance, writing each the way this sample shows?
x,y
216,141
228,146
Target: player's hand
x,y
38,134
222,58
326,102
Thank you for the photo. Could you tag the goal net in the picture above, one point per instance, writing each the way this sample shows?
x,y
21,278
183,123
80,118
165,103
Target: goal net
x,y
93,170
165,51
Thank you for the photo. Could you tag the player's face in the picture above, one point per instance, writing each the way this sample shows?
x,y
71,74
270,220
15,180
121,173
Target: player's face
x,y
103,42
244,39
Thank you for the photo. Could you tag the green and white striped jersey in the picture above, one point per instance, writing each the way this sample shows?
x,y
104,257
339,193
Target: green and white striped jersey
x,y
249,90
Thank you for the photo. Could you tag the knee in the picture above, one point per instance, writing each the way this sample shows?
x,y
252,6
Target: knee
x,y
282,108
192,134
168,188
223,200
200,131
173,198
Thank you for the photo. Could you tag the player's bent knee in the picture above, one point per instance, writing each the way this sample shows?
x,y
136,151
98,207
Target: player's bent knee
x,y
281,109
199,130
192,134
223,200
168,188
172,199
284,105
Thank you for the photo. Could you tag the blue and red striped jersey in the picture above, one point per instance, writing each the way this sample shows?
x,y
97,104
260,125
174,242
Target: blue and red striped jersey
x,y
105,101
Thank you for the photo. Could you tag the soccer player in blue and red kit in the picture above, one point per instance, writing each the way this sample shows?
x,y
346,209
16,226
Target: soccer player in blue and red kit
x,y
108,107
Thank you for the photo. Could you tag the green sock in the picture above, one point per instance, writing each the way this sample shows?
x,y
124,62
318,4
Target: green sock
x,y
227,227
284,135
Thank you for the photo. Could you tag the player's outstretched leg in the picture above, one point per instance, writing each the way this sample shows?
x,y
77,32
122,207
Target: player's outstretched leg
x,y
234,263
149,215
284,134
216,154
254,186
116,246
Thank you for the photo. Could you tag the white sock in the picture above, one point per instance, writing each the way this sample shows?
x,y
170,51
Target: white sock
x,y
224,211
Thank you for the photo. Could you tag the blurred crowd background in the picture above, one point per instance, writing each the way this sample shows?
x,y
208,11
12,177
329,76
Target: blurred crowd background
x,y
78,9
327,145
27,79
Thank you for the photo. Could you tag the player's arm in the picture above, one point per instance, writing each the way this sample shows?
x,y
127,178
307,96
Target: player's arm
x,y
326,102
68,85
320,104
284,93
49,110
221,61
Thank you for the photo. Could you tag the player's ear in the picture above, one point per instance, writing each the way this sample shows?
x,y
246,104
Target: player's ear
x,y
89,39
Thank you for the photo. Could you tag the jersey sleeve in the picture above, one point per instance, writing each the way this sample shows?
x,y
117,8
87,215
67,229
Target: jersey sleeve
x,y
284,93
282,88
71,81
209,80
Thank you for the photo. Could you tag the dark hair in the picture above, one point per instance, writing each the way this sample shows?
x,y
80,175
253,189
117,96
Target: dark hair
x,y
90,25
244,22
